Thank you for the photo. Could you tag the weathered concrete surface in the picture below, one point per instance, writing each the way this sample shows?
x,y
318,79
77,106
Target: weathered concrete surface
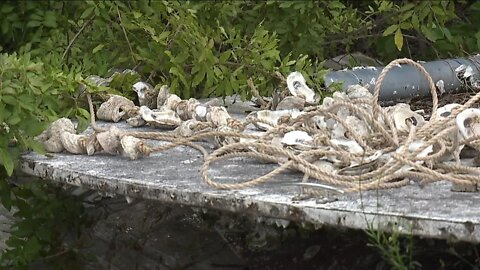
x,y
172,176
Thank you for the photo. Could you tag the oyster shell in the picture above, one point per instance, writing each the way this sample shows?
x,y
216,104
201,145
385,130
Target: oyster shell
x,y
266,119
171,102
291,103
348,145
92,145
74,143
358,126
110,140
319,121
468,124
160,118
185,109
115,108
217,116
358,91
446,110
327,102
338,131
404,117
298,139
338,95
163,94
414,146
200,113
223,140
51,137
190,127
132,147
325,166
147,95
136,121
298,87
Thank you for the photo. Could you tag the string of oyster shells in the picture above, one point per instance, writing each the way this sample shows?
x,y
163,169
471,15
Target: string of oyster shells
x,y
338,142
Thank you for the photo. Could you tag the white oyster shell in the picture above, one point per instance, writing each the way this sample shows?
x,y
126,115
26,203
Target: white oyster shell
x,y
297,138
200,113
218,116
74,143
298,87
291,103
468,123
163,94
269,119
357,126
110,140
171,102
160,118
414,146
50,138
348,145
404,117
115,108
447,109
131,147
147,95
358,91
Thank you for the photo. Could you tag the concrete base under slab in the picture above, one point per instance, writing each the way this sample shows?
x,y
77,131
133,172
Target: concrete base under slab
x,y
173,176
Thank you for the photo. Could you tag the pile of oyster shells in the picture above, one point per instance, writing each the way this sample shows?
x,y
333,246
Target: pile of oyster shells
x,y
342,123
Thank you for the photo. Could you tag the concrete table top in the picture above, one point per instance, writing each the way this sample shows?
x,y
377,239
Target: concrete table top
x,y
173,176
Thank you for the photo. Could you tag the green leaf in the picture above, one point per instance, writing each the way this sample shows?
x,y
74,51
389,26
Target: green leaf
x,y
14,119
198,77
7,161
36,146
10,100
224,56
438,11
477,36
447,34
399,39
87,12
33,23
98,48
390,30
7,8
32,247
431,33
83,113
407,7
137,14
5,194
82,123
179,73
50,19
415,21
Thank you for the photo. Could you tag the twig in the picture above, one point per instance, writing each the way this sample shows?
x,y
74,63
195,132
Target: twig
x,y
60,253
126,37
256,94
76,36
363,37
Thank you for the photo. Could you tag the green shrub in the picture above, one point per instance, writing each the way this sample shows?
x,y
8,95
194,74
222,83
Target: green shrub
x,y
32,94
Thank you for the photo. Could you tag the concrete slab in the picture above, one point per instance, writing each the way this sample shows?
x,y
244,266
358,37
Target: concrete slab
x,y
173,177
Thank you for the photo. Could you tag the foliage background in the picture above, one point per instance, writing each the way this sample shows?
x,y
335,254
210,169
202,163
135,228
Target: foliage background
x,y
200,49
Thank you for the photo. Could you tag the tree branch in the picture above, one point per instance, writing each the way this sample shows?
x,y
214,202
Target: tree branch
x,y
76,36
126,37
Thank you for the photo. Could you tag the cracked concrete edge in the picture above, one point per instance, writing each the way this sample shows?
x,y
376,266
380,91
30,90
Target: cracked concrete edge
x,y
316,216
